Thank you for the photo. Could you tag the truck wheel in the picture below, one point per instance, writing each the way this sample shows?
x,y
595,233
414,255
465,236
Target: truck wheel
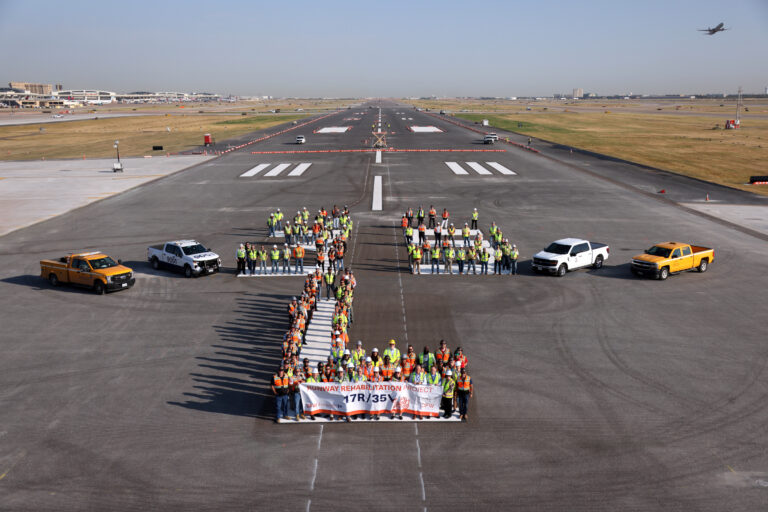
x,y
187,271
664,273
155,263
703,266
598,262
98,288
53,279
561,270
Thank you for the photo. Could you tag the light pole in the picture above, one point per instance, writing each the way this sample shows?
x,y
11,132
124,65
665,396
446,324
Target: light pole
x,y
118,166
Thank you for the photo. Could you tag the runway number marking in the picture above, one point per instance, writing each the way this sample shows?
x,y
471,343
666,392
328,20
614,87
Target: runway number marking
x,y
376,204
253,172
299,170
501,168
456,168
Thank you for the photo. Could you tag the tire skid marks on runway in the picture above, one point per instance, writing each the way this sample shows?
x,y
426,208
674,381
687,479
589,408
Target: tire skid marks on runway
x,y
457,168
277,169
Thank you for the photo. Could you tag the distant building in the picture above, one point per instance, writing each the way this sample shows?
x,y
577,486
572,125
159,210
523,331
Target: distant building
x,y
42,89
578,93
87,96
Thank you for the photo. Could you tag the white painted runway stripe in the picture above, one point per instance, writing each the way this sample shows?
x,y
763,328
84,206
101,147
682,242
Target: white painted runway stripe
x,y
299,170
378,157
278,169
256,170
456,168
376,204
501,168
479,169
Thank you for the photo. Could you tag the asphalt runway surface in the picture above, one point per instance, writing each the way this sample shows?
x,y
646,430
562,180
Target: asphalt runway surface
x,y
595,391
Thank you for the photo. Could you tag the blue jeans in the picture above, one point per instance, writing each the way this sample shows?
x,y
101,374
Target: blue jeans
x,y
279,225
463,399
282,406
297,408
299,263
251,265
435,263
286,266
271,230
484,267
288,239
274,266
262,266
461,266
514,267
340,263
466,241
471,263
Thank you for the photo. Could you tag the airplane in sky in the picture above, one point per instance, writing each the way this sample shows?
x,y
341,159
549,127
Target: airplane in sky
x,y
713,31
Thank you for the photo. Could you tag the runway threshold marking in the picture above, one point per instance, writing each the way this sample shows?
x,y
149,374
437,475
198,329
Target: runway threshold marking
x,y
501,168
278,169
376,204
456,168
479,169
299,170
254,171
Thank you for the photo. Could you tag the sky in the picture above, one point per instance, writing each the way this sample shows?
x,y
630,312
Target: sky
x,y
327,48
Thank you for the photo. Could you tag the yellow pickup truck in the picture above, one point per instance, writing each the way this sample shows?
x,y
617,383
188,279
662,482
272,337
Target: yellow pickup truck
x,y
93,270
667,258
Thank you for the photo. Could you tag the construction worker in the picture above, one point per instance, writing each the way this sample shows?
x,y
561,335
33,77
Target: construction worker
x,y
295,394
437,230
358,354
406,366
471,260
418,376
329,279
298,257
450,255
484,257
262,256
497,260
280,382
465,234
416,260
274,256
271,222
513,256
432,216
409,216
278,220
387,369
420,215
426,359
492,232
410,248
340,257
452,233
464,391
475,216
449,386
240,259
392,352
408,233
426,248
436,259
375,358
443,353
461,257
288,232
252,256
286,258
422,229
321,261
433,377
404,223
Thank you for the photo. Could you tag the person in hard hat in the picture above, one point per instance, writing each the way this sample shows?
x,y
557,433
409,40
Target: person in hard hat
x,y
298,255
280,383
449,387
274,257
240,259
262,259
464,391
387,369
330,279
513,256
392,352
475,216
271,224
278,220
398,378
358,354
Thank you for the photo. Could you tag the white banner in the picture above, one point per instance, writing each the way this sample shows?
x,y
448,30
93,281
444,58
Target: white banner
x,y
348,398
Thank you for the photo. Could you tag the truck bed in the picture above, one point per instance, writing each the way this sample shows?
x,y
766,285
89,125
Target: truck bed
x,y
158,247
696,249
597,245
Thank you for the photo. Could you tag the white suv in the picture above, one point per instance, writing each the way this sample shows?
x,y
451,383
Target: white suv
x,y
300,139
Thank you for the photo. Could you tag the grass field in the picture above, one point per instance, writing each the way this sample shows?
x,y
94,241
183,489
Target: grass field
x,y
137,134
692,145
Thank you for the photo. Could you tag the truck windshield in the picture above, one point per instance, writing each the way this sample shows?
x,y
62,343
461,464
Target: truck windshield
x,y
105,262
556,248
193,249
659,251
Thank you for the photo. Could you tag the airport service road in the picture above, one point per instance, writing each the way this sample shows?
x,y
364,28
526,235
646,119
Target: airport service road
x,y
596,391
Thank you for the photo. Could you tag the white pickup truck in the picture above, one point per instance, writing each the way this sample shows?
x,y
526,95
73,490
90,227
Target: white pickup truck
x,y
188,256
570,254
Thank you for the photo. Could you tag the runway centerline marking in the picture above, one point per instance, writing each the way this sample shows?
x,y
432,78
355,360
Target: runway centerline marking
x,y
501,168
254,171
376,204
299,170
456,168
479,169
278,169
378,157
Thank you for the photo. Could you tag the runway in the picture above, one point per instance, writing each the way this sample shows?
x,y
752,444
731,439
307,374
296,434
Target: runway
x,y
595,391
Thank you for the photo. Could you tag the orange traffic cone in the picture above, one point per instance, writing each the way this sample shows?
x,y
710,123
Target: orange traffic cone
x,y
707,199
662,191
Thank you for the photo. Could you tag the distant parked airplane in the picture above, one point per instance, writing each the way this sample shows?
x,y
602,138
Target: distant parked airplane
x,y
713,31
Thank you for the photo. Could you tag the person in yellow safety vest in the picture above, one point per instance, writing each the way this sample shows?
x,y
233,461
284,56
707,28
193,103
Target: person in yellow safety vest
x,y
420,215
408,234
465,390
484,258
416,260
253,256
471,260
419,376
427,359
410,248
271,222
513,255
286,259
451,233
449,385
426,248
358,355
274,256
450,255
392,351
278,219
240,259
475,216
465,234
409,215
288,232
497,237
433,377
461,257
262,260
329,279
436,259
305,215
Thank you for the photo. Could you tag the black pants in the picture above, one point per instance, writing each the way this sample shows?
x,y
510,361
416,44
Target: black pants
x,y
241,265
431,221
447,406
474,224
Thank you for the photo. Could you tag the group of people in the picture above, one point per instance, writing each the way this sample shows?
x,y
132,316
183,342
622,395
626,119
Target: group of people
x,y
285,383
329,234
432,218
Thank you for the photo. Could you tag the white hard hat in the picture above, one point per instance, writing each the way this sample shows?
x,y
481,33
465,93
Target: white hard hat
x,y
398,369
375,350
347,352
368,359
315,371
274,246
375,368
336,332
350,365
448,373
359,342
